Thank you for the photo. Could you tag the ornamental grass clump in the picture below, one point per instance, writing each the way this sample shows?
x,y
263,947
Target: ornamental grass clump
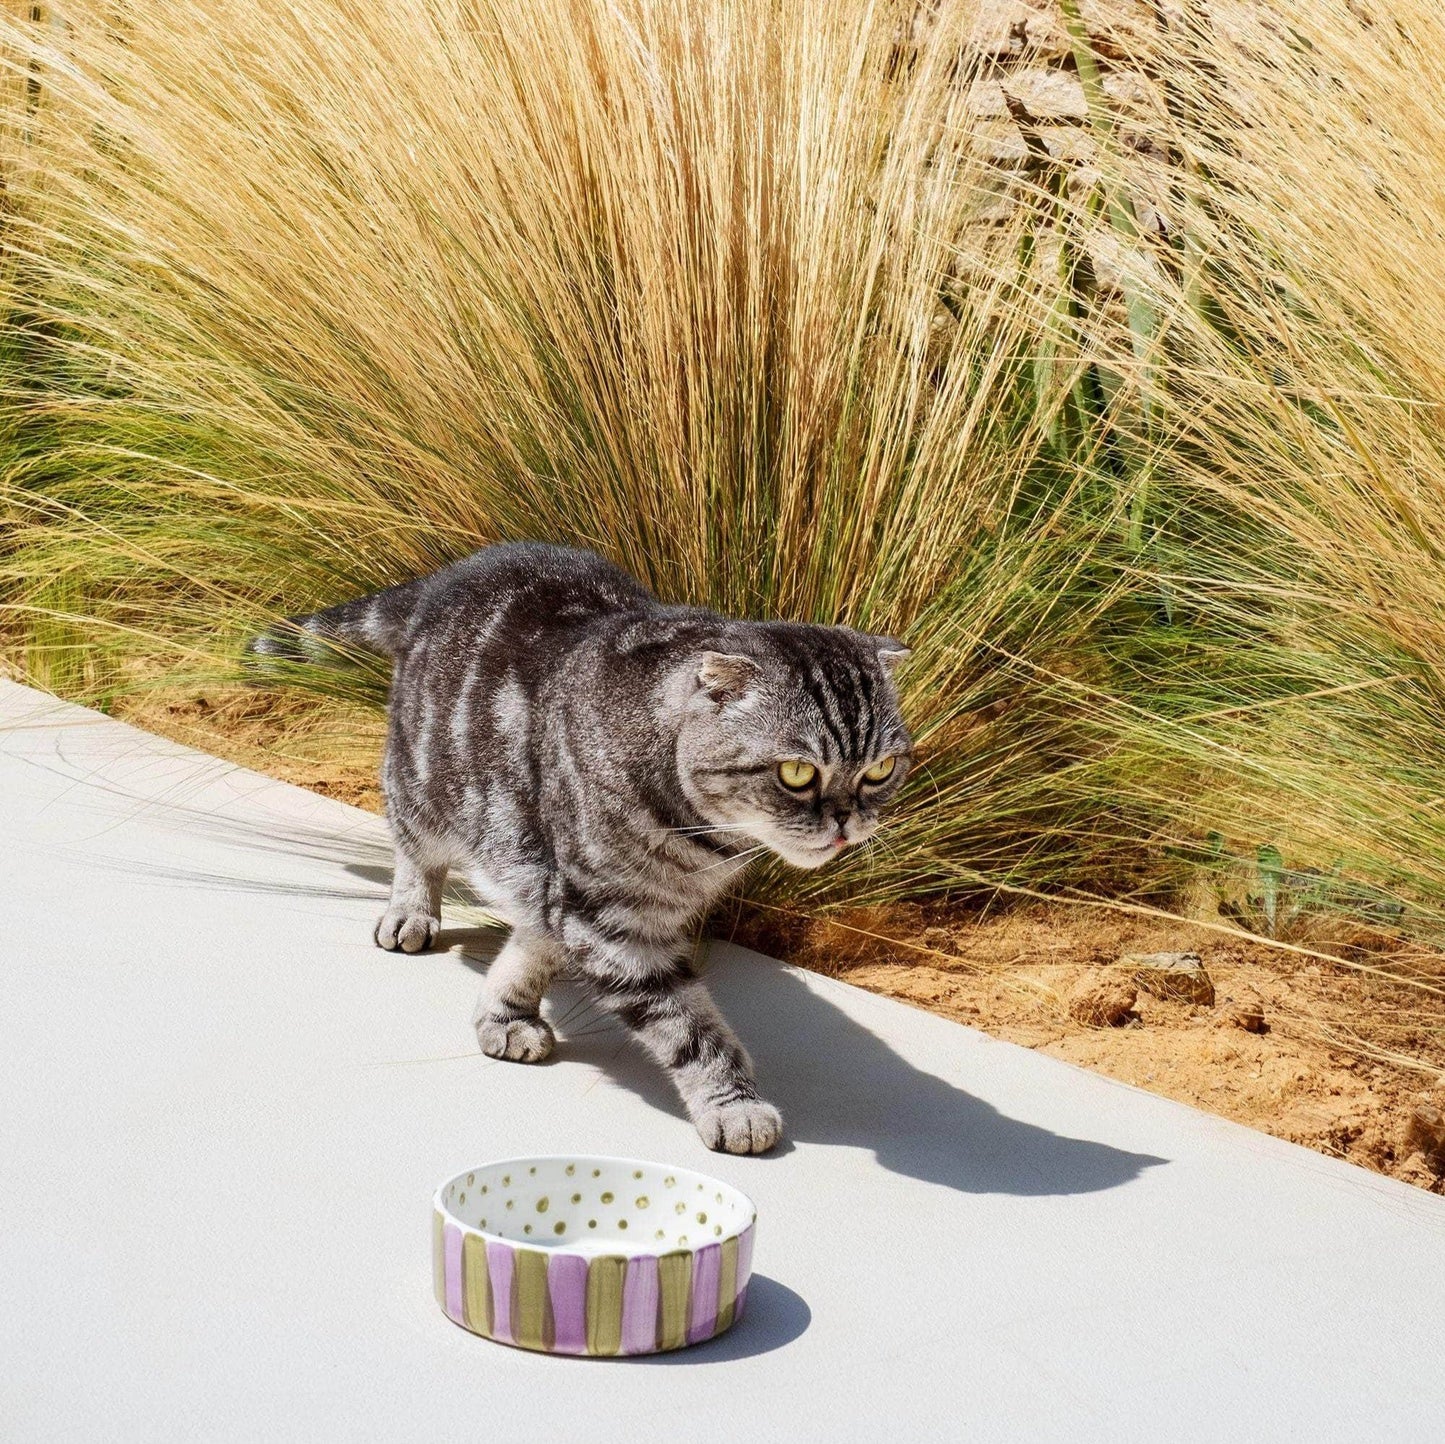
x,y
792,308
312,297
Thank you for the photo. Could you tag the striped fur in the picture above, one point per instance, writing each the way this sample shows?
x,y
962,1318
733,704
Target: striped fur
x,y
601,767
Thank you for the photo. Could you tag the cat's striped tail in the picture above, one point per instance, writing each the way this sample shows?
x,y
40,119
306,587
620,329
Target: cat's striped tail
x,y
377,623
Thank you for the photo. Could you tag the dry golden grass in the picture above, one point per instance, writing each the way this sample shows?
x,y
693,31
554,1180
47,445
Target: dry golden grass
x,y
329,293
1303,350
308,296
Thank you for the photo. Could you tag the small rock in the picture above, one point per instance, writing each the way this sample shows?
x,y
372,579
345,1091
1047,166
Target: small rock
x,y
1180,976
1425,1135
1311,1120
1105,1003
1415,1170
1244,1009
1050,95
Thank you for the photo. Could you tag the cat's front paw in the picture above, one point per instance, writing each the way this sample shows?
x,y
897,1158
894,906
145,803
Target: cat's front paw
x,y
406,932
747,1126
523,1040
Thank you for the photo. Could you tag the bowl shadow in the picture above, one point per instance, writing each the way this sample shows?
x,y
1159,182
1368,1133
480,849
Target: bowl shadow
x,y
775,1316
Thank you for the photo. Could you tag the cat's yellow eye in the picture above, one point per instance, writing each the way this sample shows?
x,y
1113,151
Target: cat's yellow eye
x,y
796,775
881,770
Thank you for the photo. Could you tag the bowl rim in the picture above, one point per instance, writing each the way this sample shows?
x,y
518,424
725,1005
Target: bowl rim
x,y
641,1248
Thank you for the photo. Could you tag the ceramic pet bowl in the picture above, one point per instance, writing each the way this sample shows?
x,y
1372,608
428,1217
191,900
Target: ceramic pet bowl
x,y
591,1255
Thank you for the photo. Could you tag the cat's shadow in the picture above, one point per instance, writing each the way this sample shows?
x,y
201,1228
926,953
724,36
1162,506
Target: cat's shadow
x,y
837,1082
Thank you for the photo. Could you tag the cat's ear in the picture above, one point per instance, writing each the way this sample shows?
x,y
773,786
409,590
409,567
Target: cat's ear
x,y
725,676
891,652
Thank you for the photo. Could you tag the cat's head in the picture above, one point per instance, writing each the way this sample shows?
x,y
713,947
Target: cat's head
x,y
793,738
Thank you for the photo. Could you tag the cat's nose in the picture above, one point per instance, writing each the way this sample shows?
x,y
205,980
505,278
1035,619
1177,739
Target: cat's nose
x,y
841,818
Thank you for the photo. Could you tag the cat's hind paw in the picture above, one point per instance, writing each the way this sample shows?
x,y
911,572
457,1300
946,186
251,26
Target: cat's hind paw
x,y
747,1126
522,1040
406,932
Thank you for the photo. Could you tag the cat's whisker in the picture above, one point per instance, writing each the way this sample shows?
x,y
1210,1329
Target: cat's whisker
x,y
601,1028
736,858
718,827
875,850
580,1005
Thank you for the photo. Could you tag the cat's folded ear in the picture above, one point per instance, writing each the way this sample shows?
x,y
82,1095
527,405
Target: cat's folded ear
x,y
891,651
725,676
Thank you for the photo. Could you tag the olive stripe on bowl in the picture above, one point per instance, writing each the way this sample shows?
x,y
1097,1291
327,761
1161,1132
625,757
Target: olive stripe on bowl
x,y
607,1305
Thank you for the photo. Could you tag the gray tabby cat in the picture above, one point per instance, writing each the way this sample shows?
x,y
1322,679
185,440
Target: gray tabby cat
x,y
600,767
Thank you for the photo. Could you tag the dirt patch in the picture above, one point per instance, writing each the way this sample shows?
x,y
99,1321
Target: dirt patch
x,y
1285,1048
330,749
1309,1050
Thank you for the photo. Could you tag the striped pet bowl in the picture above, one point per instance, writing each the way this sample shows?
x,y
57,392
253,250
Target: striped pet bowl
x,y
596,1256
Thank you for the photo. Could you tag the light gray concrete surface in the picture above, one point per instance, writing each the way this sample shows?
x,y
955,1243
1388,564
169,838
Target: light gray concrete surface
x,y
223,1113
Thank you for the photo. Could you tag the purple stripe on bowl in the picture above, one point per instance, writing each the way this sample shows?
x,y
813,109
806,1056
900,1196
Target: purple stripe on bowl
x,y
452,1265
745,1268
567,1284
499,1269
639,1306
706,1270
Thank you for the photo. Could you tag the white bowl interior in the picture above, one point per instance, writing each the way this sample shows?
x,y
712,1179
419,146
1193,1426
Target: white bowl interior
x,y
596,1205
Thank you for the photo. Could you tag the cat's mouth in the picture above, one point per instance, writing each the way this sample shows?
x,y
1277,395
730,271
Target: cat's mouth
x,y
809,855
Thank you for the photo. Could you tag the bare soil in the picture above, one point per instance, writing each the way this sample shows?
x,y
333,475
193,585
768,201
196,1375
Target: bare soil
x,y
1345,1062
1315,1074
331,749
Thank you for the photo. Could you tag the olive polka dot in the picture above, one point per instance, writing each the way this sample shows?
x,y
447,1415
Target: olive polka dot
x,y
576,1198
543,1204
642,1200
463,1198
511,1203
682,1239
559,1227
591,1223
681,1208
526,1228
621,1223
607,1198
717,1230
506,1180
637,1173
532,1169
702,1218
719,1197
571,1169
484,1188
471,1179
661,1233
596,1173
669,1182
